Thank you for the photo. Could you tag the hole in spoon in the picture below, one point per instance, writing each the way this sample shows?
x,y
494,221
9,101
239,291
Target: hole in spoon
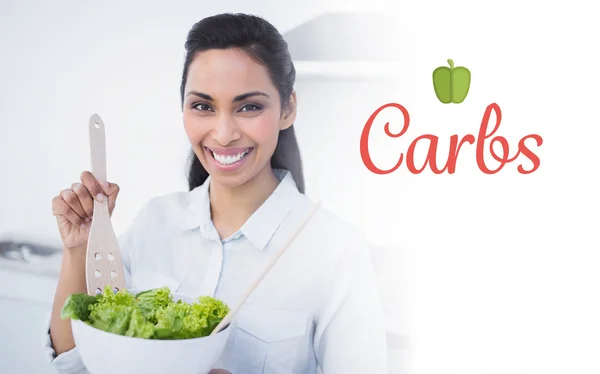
x,y
98,291
96,125
97,256
116,289
98,273
110,257
113,274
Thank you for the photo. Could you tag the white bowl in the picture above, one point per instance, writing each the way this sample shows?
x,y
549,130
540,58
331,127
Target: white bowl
x,y
103,352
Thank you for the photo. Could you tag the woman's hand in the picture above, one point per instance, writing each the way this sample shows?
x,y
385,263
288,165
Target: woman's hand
x,y
74,207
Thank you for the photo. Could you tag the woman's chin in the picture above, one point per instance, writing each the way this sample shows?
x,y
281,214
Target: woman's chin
x,y
229,178
228,181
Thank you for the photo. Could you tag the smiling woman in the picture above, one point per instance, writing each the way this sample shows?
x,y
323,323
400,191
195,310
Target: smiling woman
x,y
232,114
319,307
247,79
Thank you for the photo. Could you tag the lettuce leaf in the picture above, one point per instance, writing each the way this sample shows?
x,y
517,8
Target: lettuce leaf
x,y
214,310
122,297
111,317
77,306
150,314
177,321
152,300
139,327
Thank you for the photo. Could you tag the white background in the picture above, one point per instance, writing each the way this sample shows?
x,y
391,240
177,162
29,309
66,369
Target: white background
x,y
504,267
495,273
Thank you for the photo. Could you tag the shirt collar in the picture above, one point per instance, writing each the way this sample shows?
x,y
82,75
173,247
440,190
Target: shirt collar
x,y
261,226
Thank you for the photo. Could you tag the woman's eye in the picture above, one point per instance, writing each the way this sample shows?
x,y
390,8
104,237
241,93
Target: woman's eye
x,y
201,107
250,108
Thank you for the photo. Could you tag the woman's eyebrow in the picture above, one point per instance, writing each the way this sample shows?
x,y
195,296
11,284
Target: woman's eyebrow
x,y
235,99
249,94
200,94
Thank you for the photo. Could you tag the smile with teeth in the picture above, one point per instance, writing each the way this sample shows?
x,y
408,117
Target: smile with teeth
x,y
230,159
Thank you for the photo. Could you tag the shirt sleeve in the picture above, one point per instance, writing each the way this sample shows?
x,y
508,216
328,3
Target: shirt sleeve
x,y
70,362
350,336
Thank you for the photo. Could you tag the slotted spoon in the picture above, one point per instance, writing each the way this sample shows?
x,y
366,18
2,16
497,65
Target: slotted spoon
x,y
104,266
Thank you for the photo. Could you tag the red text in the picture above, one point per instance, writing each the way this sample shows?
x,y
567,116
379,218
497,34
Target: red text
x,y
503,158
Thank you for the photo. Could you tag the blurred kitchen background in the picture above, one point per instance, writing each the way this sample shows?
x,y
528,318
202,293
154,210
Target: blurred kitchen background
x,y
62,61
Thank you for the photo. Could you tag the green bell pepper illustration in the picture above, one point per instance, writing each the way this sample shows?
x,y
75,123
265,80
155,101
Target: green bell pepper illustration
x,y
451,84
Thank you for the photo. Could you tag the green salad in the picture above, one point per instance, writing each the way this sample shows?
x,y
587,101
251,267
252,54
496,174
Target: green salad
x,y
150,314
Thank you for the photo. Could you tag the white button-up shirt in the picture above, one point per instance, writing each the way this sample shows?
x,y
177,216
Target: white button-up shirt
x,y
318,306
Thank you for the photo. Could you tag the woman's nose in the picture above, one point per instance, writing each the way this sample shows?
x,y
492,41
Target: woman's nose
x,y
226,131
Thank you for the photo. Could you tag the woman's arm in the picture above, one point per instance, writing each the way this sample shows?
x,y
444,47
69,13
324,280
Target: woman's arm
x,y
60,346
71,280
350,335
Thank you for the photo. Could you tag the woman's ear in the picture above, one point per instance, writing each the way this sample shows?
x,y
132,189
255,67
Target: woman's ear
x,y
289,113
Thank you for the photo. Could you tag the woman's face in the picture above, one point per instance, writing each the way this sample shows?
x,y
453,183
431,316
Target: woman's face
x,y
232,115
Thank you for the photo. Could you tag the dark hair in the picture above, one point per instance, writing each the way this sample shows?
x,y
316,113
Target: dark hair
x,y
261,41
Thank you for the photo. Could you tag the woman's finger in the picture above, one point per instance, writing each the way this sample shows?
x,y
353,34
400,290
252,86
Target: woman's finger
x,y
61,208
71,198
92,185
85,199
111,190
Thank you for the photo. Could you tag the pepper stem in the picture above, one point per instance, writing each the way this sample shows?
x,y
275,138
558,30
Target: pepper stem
x,y
451,63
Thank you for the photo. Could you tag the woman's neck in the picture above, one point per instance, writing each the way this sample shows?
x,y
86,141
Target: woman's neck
x,y
231,207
